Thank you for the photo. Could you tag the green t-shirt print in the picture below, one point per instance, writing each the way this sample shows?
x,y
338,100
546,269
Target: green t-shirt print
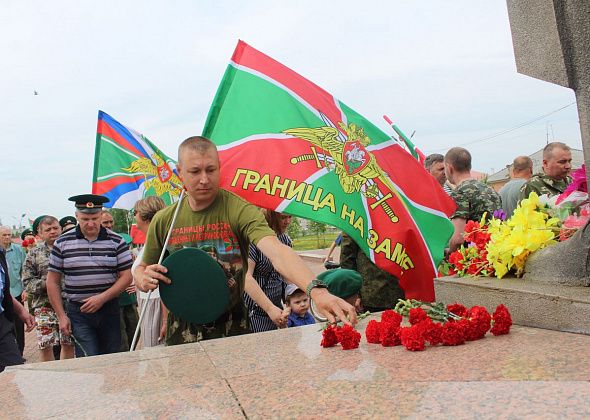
x,y
225,229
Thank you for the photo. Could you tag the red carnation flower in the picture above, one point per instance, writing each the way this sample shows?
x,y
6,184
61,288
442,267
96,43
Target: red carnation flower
x,y
432,332
502,321
329,337
455,258
481,318
391,317
25,243
389,336
458,309
417,315
482,239
452,334
349,337
412,337
469,329
373,332
473,269
471,230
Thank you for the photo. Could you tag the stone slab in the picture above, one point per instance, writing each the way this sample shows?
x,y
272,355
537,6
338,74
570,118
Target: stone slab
x,y
554,307
530,373
536,41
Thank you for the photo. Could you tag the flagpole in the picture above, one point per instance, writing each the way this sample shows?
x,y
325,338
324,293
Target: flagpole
x,y
406,140
136,335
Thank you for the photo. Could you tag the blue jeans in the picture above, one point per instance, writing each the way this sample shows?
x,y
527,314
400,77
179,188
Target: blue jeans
x,y
97,333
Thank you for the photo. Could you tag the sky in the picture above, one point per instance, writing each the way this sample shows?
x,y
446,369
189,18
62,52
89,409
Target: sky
x,y
444,69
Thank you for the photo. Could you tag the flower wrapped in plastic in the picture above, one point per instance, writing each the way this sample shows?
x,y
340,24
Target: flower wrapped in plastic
x,y
512,241
573,206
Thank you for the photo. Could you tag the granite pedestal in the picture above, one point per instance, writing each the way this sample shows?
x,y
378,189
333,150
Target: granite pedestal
x,y
552,306
530,373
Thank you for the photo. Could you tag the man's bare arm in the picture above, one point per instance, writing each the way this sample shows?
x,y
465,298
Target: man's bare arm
x,y
54,293
457,238
25,317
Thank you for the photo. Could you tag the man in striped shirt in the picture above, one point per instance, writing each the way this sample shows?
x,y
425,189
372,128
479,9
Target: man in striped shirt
x,y
96,264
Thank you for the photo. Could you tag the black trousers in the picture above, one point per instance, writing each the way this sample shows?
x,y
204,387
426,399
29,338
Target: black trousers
x,y
9,352
19,330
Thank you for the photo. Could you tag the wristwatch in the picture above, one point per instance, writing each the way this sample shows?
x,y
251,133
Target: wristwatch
x,y
313,284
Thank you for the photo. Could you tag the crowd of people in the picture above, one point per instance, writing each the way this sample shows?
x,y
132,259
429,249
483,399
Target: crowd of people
x,y
84,285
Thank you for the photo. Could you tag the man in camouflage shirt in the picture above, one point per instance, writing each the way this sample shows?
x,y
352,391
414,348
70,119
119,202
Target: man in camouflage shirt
x,y
557,165
380,290
473,198
34,280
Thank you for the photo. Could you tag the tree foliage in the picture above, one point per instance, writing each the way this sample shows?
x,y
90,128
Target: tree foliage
x,y
122,220
294,230
317,229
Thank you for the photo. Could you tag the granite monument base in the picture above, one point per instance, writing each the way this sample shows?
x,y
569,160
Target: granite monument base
x,y
530,373
552,306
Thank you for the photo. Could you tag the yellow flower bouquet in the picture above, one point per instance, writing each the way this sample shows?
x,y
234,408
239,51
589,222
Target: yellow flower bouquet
x,y
513,240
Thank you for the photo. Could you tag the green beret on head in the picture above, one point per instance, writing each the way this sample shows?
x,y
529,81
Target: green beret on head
x,y
67,220
37,222
342,282
26,232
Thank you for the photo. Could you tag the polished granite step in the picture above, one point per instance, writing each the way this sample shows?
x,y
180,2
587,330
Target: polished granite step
x,y
530,373
551,306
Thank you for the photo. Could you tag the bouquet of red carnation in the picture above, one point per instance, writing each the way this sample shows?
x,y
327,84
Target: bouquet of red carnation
x,y
435,323
347,336
473,259
28,244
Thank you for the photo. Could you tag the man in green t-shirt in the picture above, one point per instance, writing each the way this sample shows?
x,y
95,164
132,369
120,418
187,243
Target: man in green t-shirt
x,y
213,216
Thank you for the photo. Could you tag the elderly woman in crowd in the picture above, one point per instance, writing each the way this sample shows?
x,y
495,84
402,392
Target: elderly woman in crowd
x,y
264,286
153,324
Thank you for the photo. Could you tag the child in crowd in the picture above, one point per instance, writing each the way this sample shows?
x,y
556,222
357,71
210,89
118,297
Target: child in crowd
x,y
344,283
297,307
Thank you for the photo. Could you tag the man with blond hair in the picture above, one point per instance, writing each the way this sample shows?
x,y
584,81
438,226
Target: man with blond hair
x,y
218,216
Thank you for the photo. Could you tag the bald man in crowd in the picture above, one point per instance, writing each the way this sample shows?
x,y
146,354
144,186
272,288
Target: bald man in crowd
x,y
557,165
522,170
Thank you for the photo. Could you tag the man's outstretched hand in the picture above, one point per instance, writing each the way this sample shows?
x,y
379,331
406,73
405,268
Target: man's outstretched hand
x,y
332,307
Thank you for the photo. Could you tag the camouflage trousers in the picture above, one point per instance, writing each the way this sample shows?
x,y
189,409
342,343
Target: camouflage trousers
x,y
229,324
